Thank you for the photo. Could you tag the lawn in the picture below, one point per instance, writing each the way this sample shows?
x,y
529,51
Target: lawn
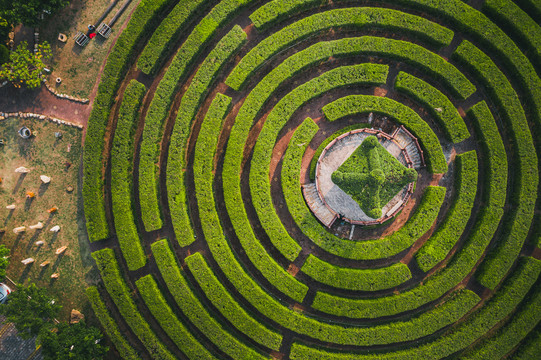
x,y
79,67
58,158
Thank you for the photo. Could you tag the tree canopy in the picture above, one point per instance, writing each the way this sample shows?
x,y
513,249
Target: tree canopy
x,y
31,309
28,12
24,68
76,341
4,253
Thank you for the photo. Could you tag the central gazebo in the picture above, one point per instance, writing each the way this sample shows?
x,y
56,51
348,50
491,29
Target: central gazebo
x,y
364,177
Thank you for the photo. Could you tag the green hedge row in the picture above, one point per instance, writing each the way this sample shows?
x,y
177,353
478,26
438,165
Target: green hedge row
x,y
356,75
327,141
447,115
360,104
356,279
109,325
122,297
433,288
519,24
473,22
205,151
276,10
476,326
166,34
230,309
248,112
355,18
446,236
414,328
190,305
169,322
512,333
530,348
494,155
524,193
160,106
121,175
187,111
117,64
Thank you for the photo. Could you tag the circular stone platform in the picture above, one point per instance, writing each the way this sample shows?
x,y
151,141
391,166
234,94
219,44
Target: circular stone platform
x,y
333,202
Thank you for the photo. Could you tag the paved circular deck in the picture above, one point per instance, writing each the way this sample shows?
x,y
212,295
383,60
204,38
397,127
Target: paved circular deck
x,y
334,155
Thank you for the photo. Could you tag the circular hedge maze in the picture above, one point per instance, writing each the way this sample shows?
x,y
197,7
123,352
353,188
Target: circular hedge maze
x,y
208,119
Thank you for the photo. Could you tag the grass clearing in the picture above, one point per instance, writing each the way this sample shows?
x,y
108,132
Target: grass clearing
x,y
44,154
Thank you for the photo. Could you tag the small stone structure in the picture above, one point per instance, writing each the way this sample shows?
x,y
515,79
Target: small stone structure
x,y
328,202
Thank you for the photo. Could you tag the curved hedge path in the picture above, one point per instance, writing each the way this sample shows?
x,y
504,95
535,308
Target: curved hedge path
x,y
207,121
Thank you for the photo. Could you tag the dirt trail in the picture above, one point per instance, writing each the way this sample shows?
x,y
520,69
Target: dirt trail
x,y
42,101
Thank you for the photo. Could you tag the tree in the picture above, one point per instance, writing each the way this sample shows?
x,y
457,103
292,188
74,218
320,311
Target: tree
x,y
29,12
24,67
4,253
76,341
31,309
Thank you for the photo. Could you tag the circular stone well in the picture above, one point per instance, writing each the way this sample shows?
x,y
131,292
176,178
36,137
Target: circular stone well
x,y
332,199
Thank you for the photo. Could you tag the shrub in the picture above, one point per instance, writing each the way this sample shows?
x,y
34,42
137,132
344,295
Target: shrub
x,y
356,279
524,193
159,110
169,322
261,158
117,64
360,104
356,18
444,239
109,325
230,309
327,141
169,30
190,305
205,151
447,115
477,325
121,295
187,112
434,287
121,174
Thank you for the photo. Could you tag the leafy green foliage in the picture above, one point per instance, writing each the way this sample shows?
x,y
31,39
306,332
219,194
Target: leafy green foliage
x,y
437,104
121,295
479,323
24,68
351,18
169,321
356,279
28,12
205,151
4,261
117,64
327,141
4,54
361,104
226,304
446,236
121,175
189,106
157,48
190,305
109,325
362,74
372,176
31,309
433,288
524,192
77,341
